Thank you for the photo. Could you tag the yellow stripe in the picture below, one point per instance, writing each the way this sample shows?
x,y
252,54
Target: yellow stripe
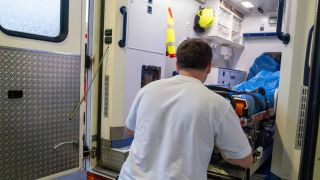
x,y
169,21
170,35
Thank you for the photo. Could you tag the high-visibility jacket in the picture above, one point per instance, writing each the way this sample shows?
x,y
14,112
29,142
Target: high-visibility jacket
x,y
170,40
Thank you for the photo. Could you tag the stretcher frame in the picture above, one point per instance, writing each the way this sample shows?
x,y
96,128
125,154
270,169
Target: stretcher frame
x,y
227,171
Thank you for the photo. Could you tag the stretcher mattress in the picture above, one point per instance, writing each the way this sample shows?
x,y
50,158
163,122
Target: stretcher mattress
x,y
250,104
269,81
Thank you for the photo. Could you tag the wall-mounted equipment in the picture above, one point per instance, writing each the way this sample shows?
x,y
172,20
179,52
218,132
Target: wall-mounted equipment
x,y
225,77
149,74
227,30
204,19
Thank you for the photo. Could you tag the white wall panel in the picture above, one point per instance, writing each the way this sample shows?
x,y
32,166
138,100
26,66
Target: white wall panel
x,y
135,61
253,22
254,47
184,12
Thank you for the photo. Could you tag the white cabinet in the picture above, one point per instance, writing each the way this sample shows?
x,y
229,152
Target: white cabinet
x,y
227,27
147,26
236,35
224,17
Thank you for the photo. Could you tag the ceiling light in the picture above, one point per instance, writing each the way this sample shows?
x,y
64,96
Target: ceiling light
x,y
247,4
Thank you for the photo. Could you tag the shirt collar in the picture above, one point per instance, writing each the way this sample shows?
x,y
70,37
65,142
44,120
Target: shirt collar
x,y
186,78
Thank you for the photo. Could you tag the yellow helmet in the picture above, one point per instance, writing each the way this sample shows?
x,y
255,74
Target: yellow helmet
x,y
205,18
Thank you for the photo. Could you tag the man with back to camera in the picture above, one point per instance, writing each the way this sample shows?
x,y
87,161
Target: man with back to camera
x,y
176,122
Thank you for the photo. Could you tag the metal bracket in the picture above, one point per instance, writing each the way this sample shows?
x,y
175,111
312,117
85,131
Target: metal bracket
x,y
86,152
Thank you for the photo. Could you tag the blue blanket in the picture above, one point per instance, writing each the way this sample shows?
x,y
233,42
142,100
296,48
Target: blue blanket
x,y
263,62
265,79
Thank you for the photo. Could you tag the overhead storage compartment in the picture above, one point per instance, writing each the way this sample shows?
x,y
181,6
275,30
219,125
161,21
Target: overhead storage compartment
x,y
227,29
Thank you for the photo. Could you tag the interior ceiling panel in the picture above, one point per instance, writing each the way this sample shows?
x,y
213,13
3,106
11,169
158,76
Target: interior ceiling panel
x,y
268,6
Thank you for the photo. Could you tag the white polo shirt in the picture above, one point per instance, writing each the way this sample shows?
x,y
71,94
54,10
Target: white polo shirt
x,y
177,122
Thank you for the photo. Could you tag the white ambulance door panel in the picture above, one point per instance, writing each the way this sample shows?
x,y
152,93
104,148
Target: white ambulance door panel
x,y
135,61
145,26
41,78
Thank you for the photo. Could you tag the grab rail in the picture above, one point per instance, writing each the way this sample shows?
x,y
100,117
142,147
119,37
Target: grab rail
x,y
306,62
124,12
284,37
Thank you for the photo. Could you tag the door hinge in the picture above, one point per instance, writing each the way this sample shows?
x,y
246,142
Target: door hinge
x,y
88,62
87,152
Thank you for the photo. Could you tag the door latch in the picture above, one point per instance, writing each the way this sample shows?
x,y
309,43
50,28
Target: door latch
x,y
87,152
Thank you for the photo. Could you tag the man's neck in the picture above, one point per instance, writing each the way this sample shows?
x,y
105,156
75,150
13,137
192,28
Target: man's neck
x,y
193,73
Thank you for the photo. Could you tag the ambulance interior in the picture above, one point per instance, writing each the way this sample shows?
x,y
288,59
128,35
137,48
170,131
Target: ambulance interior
x,y
248,58
67,96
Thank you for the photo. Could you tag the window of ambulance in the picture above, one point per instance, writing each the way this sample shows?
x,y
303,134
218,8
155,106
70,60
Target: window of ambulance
x,y
37,19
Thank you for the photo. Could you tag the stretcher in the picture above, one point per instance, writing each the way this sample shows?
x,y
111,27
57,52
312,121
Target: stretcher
x,y
256,117
251,107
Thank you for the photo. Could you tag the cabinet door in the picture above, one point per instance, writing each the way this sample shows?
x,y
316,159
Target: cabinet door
x,y
147,26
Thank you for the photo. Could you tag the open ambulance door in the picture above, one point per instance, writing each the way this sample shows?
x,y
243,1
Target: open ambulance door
x,y
41,79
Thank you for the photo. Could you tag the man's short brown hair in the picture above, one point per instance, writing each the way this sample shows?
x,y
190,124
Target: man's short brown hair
x,y
194,53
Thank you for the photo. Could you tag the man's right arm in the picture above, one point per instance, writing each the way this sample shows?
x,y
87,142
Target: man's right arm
x,y
232,142
244,162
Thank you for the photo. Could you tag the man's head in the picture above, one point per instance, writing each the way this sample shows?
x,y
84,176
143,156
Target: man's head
x,y
194,58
